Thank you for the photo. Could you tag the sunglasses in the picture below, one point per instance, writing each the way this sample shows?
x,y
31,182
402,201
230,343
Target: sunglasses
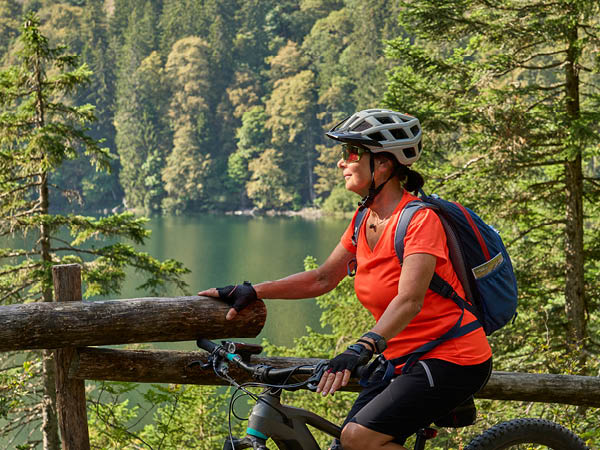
x,y
352,153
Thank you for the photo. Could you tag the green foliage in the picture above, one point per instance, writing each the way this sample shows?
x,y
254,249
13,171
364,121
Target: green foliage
x,y
181,417
39,132
142,135
308,63
340,201
267,186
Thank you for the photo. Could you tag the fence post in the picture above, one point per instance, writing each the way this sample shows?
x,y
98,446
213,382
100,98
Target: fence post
x,y
70,393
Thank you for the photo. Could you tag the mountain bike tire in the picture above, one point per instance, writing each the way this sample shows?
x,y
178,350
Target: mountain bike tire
x,y
529,434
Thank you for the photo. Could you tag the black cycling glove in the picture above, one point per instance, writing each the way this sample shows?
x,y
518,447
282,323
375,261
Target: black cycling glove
x,y
238,296
354,356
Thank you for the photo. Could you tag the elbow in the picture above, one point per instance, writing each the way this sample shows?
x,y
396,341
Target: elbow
x,y
414,306
325,282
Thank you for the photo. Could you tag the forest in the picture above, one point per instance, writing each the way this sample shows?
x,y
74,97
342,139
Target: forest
x,y
156,107
214,105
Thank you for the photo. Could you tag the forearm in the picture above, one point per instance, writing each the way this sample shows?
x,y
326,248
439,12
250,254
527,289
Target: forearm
x,y
397,316
300,285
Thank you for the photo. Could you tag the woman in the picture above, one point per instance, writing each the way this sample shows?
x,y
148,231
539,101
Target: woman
x,y
377,148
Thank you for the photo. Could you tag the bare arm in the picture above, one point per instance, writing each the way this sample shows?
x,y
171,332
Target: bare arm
x,y
302,284
417,271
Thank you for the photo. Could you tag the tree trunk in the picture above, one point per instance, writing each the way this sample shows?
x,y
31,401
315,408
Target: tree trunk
x,y
167,366
574,260
50,436
77,324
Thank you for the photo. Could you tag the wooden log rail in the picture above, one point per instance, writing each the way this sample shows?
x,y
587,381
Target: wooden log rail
x,y
79,324
167,366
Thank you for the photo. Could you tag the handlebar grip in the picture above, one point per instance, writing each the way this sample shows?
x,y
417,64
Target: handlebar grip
x,y
206,344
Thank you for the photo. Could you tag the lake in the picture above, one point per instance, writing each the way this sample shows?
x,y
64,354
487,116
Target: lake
x,y
222,250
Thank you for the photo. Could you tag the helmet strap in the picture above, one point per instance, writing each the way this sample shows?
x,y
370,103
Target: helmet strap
x,y
366,201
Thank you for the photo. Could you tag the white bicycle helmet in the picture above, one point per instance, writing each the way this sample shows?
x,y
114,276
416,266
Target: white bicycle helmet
x,y
382,130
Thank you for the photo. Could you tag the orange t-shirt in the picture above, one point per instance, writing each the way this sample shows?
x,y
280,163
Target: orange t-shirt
x,y
376,284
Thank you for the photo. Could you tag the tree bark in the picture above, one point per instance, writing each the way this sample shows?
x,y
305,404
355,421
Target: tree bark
x,y
165,366
70,392
78,324
50,438
574,259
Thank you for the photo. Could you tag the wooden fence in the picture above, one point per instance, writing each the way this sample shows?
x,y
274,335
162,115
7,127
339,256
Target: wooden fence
x,y
70,327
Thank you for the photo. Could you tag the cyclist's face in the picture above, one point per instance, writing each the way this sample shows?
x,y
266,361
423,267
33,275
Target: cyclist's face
x,y
356,170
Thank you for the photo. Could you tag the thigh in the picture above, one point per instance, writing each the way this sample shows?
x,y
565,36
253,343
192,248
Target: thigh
x,y
414,400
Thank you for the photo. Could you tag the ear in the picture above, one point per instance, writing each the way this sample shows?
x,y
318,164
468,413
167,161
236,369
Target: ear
x,y
384,164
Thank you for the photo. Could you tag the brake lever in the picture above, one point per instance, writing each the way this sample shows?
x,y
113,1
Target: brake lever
x,y
313,381
215,362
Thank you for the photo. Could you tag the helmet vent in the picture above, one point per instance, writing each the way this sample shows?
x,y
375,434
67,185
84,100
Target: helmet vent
x,y
362,126
415,130
399,133
409,152
385,119
377,136
420,146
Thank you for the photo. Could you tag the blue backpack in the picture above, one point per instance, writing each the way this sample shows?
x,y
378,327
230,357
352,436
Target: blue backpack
x,y
480,261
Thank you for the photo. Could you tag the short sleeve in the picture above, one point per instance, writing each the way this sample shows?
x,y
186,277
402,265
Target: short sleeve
x,y
346,239
425,234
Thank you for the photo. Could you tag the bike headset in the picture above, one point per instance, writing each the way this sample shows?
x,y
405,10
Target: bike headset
x,y
381,130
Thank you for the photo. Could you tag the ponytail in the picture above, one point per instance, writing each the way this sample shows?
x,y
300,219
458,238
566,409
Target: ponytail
x,y
412,180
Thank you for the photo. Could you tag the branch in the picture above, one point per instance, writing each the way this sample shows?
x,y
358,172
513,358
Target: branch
x,y
20,188
460,171
17,289
528,46
538,55
17,269
24,177
594,181
549,66
544,163
535,227
545,99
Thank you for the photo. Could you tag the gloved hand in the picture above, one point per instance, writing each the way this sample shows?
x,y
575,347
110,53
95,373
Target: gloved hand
x,y
340,368
354,356
238,296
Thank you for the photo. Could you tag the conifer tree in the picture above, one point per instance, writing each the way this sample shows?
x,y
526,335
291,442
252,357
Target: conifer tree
x,y
39,131
508,92
187,173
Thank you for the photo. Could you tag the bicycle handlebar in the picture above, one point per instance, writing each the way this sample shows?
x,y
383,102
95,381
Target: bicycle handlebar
x,y
268,374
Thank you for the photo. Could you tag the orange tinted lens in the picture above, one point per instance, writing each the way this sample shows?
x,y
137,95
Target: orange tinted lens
x,y
350,153
353,157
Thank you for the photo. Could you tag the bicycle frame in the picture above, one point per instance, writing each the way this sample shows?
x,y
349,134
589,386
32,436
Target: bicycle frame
x,y
287,425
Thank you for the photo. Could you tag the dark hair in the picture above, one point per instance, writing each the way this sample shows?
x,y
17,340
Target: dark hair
x,y
412,180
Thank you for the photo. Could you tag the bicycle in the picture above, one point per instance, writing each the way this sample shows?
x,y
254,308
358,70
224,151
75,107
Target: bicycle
x,y
287,426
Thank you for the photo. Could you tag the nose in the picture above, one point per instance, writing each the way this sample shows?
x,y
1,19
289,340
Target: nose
x,y
341,163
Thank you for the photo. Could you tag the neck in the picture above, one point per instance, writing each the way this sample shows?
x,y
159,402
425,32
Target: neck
x,y
386,201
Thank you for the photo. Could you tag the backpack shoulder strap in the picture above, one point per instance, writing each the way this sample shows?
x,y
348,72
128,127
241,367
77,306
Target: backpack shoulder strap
x,y
358,220
360,216
405,217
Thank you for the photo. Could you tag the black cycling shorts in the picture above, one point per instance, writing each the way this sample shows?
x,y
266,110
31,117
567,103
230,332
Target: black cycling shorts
x,y
430,390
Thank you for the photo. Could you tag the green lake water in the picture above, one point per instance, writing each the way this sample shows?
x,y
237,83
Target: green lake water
x,y
222,250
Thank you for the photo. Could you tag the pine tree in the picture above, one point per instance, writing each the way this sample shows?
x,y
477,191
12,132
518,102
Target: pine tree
x,y
508,94
39,132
